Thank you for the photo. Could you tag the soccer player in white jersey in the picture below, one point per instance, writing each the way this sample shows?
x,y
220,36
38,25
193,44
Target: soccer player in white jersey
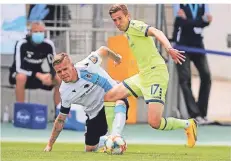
x,y
86,83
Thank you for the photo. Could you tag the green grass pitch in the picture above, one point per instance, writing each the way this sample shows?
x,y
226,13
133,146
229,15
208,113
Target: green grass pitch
x,y
16,151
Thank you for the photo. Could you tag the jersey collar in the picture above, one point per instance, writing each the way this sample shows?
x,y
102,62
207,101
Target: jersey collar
x,y
128,26
78,72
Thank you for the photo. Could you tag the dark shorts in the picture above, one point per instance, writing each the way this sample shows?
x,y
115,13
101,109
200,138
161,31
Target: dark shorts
x,y
32,82
98,127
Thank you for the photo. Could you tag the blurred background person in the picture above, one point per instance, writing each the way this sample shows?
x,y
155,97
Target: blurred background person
x,y
56,16
32,65
190,21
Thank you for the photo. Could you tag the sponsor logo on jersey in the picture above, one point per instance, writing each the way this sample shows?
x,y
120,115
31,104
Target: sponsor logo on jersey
x,y
88,91
86,86
33,61
29,54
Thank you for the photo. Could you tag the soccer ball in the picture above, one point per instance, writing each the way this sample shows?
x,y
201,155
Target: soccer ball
x,y
115,145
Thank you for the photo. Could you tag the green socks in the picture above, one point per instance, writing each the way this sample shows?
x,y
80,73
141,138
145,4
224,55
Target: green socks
x,y
171,123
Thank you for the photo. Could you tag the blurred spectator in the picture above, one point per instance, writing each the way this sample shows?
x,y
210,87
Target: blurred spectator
x,y
32,65
229,40
55,16
189,23
52,15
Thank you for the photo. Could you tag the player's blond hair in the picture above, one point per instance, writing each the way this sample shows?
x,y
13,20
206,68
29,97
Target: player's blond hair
x,y
58,59
118,7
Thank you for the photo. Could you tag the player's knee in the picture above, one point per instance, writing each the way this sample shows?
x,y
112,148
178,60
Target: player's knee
x,y
21,78
120,108
123,102
120,102
108,97
89,148
154,122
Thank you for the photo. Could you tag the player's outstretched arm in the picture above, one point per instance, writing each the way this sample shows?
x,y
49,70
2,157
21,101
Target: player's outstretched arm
x,y
57,128
106,52
174,53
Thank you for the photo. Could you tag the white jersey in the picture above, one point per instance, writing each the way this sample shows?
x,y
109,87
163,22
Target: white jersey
x,y
91,87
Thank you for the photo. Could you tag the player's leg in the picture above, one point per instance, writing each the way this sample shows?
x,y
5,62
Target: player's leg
x,y
118,92
99,146
124,89
120,110
21,80
154,95
155,119
96,129
121,91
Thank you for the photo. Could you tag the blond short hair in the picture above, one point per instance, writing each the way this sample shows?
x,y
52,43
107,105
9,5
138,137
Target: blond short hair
x,y
58,59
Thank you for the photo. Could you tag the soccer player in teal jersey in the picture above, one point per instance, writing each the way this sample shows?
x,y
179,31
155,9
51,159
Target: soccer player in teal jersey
x,y
152,80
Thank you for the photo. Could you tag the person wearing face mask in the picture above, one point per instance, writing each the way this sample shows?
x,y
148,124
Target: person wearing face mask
x,y
32,65
190,21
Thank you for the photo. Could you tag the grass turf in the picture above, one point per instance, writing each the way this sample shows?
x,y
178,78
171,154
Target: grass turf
x,y
12,151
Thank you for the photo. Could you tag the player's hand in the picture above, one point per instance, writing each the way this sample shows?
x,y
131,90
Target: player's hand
x,y
48,148
176,55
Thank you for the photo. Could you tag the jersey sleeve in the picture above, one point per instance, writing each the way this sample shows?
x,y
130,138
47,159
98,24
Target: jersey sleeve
x,y
64,110
65,102
138,28
94,59
65,107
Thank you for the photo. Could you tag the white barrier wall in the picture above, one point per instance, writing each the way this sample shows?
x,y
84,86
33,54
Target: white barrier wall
x,y
215,38
13,26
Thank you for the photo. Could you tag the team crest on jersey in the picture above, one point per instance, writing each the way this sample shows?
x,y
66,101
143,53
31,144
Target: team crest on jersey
x,y
29,54
94,59
133,23
89,76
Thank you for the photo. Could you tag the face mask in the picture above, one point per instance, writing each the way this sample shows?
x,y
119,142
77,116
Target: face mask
x,y
38,37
